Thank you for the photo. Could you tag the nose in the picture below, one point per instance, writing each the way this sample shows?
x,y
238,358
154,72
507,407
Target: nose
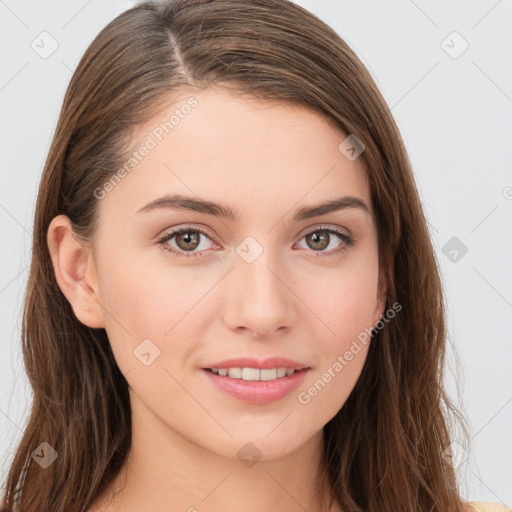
x,y
259,298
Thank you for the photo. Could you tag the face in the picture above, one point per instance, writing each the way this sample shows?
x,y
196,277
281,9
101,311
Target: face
x,y
262,275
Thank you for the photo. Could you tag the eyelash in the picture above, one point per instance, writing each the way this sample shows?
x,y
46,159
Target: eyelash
x,y
348,241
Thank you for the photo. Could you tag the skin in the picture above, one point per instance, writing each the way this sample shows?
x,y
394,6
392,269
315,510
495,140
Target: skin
x,y
264,160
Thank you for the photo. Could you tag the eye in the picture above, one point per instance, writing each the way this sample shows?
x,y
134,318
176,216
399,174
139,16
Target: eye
x,y
187,240
322,238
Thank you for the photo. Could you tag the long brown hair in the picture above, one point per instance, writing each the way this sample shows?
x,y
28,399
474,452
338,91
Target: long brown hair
x,y
385,449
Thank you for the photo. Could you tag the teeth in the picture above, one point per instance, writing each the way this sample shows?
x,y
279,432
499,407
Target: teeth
x,y
268,374
254,373
235,373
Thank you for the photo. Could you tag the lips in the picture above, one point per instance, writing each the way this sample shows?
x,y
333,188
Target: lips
x,y
262,364
257,392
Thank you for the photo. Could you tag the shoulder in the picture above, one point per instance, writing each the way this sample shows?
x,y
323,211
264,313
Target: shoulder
x,y
487,506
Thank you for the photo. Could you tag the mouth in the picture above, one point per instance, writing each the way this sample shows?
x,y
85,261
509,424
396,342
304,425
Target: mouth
x,y
256,386
256,374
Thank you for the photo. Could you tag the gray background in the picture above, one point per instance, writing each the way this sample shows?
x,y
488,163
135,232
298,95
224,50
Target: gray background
x,y
455,113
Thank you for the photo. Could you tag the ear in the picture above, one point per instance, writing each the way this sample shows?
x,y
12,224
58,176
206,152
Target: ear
x,y
75,271
382,293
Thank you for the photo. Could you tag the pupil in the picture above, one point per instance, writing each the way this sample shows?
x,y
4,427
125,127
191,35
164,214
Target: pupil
x,y
190,237
317,237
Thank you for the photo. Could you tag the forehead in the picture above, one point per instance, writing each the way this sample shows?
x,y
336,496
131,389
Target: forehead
x,y
217,144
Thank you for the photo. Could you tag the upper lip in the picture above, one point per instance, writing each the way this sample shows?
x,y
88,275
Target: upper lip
x,y
250,362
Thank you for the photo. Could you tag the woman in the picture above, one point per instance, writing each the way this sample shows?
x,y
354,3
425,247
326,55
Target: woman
x,y
233,299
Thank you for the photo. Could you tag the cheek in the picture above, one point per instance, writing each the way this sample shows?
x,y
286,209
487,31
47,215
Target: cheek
x,y
133,299
345,300
147,301
346,307
146,295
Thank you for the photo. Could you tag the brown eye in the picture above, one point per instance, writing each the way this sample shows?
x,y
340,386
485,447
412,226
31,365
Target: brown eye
x,y
327,241
188,240
318,240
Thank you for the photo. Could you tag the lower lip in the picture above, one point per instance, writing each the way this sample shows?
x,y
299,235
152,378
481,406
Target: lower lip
x,y
255,391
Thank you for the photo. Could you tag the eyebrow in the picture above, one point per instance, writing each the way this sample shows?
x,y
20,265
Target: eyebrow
x,y
219,210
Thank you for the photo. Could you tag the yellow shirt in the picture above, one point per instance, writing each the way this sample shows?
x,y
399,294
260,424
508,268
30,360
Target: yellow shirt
x,y
489,506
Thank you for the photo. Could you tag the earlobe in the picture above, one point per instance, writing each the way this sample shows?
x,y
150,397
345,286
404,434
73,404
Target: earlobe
x,y
75,272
